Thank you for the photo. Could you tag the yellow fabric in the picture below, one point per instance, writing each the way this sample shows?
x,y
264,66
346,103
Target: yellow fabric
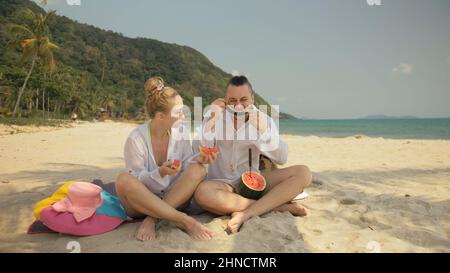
x,y
59,194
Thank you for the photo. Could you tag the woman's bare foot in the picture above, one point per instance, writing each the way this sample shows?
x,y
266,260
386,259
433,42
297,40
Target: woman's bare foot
x,y
294,208
236,221
196,230
147,231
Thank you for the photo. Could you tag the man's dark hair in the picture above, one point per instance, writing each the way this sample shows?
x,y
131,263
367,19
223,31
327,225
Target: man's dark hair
x,y
239,81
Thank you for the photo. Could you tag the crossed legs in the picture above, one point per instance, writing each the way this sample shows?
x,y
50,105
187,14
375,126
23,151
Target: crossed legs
x,y
138,201
284,185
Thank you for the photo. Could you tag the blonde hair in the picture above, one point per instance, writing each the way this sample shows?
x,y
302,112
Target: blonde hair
x,y
158,96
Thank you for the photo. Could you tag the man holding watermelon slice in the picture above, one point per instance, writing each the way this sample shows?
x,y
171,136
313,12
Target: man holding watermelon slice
x,y
238,133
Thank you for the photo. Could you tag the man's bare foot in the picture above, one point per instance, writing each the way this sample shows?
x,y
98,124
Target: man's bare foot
x,y
147,231
196,230
238,218
236,221
294,208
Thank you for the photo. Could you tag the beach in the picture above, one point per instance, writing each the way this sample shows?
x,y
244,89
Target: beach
x,y
368,195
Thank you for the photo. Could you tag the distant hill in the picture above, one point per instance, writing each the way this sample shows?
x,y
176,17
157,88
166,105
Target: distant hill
x,y
96,63
387,117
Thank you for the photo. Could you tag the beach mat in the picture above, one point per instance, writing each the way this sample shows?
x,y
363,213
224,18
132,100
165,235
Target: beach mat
x,y
109,187
37,227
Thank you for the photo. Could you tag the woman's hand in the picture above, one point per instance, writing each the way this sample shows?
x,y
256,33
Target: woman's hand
x,y
206,159
165,169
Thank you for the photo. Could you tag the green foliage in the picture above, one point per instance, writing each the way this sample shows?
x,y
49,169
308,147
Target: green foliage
x,y
100,69
32,121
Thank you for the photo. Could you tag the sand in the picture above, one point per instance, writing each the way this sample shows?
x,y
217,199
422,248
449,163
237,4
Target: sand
x,y
16,129
368,195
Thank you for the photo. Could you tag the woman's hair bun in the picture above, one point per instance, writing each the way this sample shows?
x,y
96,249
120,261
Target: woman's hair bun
x,y
153,85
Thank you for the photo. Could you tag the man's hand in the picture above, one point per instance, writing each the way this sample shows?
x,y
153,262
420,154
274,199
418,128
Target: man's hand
x,y
165,169
258,121
220,103
217,107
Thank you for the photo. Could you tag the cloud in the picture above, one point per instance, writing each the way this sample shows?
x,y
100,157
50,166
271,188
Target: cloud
x,y
373,2
404,69
73,2
235,72
58,2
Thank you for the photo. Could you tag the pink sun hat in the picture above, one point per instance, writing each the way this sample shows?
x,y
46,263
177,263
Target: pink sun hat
x,y
82,200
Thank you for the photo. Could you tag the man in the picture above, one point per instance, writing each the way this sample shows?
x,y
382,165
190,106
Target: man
x,y
243,121
74,116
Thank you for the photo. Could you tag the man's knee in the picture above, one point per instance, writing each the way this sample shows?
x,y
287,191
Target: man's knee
x,y
203,195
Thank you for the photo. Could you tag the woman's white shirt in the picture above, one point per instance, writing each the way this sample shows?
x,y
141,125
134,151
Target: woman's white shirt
x,y
140,162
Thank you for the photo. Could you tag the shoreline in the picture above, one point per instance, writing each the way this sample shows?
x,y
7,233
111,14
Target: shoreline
x,y
6,130
13,129
360,137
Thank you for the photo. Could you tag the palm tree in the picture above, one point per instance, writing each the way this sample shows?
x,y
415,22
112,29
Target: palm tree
x,y
80,103
7,96
33,40
108,103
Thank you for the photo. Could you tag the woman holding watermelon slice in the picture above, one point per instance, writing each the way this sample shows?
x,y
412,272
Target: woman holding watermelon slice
x,y
163,173
253,133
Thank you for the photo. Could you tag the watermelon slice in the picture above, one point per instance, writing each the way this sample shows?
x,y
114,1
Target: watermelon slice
x,y
252,185
206,151
236,109
176,164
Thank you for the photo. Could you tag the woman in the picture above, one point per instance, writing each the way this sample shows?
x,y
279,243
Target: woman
x,y
151,188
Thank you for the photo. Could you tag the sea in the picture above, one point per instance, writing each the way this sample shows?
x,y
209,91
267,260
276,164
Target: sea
x,y
426,128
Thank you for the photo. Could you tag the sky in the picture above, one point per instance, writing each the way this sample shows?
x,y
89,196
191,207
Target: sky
x,y
321,59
